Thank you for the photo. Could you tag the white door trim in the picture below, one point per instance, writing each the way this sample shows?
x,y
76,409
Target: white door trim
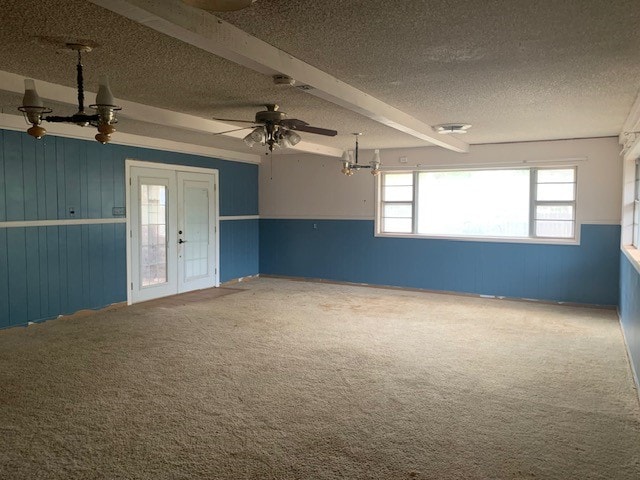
x,y
128,164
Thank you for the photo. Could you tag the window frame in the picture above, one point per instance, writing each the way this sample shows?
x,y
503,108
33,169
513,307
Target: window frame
x,y
635,239
533,202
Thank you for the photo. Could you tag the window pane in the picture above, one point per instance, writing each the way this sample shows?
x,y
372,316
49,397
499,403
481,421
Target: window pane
x,y
554,212
555,175
398,194
556,191
397,210
636,223
396,225
556,229
474,203
398,179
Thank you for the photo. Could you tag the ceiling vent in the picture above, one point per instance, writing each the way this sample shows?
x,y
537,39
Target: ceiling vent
x,y
283,80
452,128
220,5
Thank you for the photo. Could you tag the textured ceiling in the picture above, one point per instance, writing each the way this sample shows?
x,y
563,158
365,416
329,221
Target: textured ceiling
x,y
517,70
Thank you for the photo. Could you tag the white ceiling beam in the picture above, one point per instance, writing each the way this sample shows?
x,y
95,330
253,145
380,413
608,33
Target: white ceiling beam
x,y
17,122
205,31
10,82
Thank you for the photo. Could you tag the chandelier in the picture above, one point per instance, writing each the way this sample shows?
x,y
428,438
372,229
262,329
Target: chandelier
x,y
105,117
350,161
272,135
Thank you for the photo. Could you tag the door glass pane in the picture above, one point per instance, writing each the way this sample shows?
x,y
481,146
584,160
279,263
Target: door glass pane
x,y
196,248
153,228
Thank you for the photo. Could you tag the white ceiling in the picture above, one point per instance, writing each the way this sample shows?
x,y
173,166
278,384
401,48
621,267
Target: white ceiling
x,y
517,70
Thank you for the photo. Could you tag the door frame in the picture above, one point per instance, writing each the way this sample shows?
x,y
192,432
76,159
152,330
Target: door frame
x,y
128,164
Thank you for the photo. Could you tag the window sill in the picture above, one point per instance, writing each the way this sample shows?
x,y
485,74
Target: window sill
x,y
537,241
633,254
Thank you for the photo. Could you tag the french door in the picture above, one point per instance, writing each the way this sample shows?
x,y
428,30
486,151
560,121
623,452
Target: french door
x,y
172,232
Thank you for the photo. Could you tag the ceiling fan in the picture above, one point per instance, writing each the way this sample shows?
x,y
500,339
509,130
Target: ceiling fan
x,y
271,127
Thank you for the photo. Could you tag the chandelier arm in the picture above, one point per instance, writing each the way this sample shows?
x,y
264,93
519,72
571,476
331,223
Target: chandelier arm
x,y
72,119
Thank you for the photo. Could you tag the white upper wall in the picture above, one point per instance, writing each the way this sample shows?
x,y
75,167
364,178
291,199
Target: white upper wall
x,y
310,186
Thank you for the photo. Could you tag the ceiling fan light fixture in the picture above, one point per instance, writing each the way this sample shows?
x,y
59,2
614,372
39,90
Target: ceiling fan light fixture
x,y
290,139
249,141
272,128
257,135
452,128
220,5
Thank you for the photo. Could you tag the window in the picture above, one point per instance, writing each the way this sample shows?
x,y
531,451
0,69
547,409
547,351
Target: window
x,y
510,203
636,208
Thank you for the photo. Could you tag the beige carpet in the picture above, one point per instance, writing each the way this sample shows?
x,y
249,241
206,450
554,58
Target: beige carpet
x,y
294,380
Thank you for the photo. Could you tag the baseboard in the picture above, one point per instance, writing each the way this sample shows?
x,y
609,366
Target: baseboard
x,y
634,373
440,292
80,313
235,281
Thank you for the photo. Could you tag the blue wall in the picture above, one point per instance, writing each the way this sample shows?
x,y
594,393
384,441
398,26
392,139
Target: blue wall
x,y
346,250
630,309
239,257
48,271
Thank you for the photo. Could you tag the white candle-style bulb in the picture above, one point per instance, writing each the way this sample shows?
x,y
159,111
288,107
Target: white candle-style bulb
x,y
376,156
31,97
345,156
104,96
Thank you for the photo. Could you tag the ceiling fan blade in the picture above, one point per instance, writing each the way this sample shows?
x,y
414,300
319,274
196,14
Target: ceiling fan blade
x,y
316,130
233,120
293,123
229,131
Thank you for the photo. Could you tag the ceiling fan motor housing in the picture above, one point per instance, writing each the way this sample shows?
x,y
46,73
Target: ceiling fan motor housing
x,y
271,115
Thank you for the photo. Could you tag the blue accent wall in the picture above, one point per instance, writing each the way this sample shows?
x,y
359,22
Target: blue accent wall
x,y
630,310
48,271
346,250
240,238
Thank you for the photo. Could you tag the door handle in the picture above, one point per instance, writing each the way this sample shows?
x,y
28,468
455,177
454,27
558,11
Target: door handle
x,y
181,241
